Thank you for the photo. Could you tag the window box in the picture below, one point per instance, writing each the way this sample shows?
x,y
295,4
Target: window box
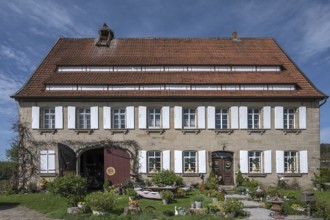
x,y
292,174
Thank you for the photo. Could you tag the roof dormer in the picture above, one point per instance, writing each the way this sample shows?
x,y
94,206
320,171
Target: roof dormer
x,y
105,36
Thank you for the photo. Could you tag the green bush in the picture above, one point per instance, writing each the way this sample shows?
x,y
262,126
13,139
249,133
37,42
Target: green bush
x,y
234,206
71,187
7,170
101,201
168,195
321,209
287,207
131,192
239,178
32,187
212,181
167,177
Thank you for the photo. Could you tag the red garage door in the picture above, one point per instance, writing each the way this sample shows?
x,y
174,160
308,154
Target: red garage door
x,y
116,165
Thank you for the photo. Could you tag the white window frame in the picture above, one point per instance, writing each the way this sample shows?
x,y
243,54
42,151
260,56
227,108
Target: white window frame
x,y
190,122
84,118
254,158
221,115
189,161
288,122
47,114
154,116
117,114
48,162
291,167
253,118
154,161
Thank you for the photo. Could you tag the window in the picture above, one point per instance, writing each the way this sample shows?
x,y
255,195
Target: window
x,y
221,119
47,118
47,161
189,161
119,118
288,116
84,118
154,118
290,162
253,118
189,118
255,160
154,161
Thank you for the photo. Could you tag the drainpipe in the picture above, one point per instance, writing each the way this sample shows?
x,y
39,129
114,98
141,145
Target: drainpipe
x,y
324,101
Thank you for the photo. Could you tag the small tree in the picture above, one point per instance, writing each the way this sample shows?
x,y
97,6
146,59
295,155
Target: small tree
x,y
167,177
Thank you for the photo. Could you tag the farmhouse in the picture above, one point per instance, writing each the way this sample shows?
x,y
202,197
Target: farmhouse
x,y
191,105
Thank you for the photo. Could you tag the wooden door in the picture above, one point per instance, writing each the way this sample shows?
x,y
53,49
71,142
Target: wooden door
x,y
223,167
116,165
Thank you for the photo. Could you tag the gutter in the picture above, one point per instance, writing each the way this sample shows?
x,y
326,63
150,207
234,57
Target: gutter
x,y
324,101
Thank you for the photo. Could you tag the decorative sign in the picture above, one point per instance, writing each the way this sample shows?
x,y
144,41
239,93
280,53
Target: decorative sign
x,y
228,165
110,171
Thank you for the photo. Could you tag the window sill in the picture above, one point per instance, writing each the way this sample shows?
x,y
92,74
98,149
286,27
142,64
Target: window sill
x,y
190,174
292,175
288,131
228,131
119,131
257,175
155,130
260,131
196,131
88,131
45,130
47,174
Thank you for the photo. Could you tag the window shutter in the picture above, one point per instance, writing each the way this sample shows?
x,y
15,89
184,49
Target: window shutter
x,y
142,117
202,161
94,117
51,161
278,117
244,164
130,117
166,117
243,117
303,161
142,161
178,161
279,161
71,117
178,117
268,161
35,117
234,117
201,117
43,161
59,117
302,117
211,117
267,117
166,160
106,117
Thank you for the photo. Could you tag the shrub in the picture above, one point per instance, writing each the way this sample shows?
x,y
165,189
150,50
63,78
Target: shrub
x,y
234,206
167,177
131,192
321,209
180,193
166,194
239,178
288,207
212,181
101,201
32,187
71,187
199,198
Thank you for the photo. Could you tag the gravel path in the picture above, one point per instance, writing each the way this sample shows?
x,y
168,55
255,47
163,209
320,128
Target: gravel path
x,y
19,212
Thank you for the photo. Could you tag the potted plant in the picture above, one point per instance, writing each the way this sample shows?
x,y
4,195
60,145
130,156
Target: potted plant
x,y
153,162
133,204
101,203
131,194
167,196
198,201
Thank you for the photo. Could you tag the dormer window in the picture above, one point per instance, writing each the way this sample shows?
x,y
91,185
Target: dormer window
x,y
105,36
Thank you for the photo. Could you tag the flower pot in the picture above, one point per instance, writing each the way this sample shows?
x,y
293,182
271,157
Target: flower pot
x,y
165,201
81,206
198,205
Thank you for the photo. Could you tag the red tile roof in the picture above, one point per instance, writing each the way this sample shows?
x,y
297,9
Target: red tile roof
x,y
167,51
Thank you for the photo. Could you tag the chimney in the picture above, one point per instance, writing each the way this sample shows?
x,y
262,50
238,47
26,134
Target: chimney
x,y
105,36
235,37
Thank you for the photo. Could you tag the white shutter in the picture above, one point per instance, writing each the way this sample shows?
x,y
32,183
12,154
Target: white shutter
x,y
43,161
178,117
268,161
201,117
267,117
51,161
94,117
35,117
234,117
166,160
166,117
302,117
106,117
202,161
243,112
130,117
278,117
59,117
244,164
71,117
142,117
279,161
178,161
142,161
303,161
211,117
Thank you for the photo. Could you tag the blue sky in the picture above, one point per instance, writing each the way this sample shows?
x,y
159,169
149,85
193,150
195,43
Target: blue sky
x,y
29,28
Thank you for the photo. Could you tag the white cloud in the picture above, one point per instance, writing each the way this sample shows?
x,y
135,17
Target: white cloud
x,y
325,135
9,84
21,59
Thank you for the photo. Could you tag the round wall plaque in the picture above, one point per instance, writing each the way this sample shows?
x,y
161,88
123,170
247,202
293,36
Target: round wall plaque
x,y
110,171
